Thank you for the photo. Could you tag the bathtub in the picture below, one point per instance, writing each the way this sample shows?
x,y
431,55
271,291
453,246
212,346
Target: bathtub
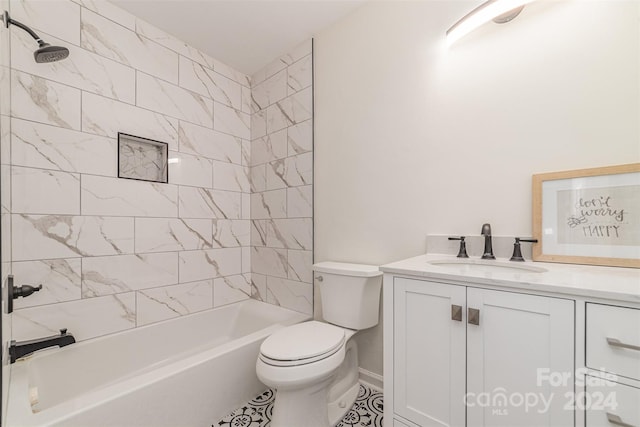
x,y
189,371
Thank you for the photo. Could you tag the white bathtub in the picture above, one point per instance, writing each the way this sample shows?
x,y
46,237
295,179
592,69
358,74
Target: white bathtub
x,y
189,371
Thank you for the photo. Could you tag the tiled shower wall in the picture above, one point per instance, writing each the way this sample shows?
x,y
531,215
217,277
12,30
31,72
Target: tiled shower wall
x,y
111,253
281,180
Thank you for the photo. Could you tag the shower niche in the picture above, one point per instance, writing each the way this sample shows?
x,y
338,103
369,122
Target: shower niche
x,y
142,159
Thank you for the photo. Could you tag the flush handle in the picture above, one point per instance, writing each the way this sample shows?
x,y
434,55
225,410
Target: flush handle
x,y
616,420
456,312
474,316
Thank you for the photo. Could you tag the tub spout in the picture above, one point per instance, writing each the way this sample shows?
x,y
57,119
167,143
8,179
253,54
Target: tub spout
x,y
24,348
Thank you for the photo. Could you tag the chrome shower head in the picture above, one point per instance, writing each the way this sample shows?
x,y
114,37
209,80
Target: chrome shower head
x,y
48,53
45,52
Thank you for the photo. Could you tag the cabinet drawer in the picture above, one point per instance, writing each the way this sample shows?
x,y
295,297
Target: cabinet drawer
x,y
612,405
613,339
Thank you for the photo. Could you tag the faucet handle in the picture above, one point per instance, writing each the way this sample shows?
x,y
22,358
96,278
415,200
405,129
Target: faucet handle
x,y
517,253
462,252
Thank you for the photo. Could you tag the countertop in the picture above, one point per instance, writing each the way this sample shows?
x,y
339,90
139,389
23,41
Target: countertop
x,y
615,283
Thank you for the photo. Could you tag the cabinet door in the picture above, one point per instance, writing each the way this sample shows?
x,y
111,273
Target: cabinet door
x,y
521,350
429,353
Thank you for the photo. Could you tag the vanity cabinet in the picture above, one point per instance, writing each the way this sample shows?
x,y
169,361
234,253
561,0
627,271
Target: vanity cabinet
x,y
465,355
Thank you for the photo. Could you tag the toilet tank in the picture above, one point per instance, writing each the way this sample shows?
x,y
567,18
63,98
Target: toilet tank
x,y
350,293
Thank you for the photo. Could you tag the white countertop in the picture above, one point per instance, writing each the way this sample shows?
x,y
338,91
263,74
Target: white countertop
x,y
616,283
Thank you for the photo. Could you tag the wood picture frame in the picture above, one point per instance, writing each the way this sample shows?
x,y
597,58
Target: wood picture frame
x,y
588,216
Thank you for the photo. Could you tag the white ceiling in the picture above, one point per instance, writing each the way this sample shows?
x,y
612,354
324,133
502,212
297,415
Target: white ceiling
x,y
245,34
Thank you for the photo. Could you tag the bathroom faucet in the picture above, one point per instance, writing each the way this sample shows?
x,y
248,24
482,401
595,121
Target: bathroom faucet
x,y
488,247
24,348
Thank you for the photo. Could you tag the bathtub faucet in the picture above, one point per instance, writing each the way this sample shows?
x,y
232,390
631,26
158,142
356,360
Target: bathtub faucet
x,y
24,348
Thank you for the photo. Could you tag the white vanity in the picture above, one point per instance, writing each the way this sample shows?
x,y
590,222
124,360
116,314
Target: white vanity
x,y
491,343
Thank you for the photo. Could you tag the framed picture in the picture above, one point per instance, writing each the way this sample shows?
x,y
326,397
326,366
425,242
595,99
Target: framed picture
x,y
142,159
588,216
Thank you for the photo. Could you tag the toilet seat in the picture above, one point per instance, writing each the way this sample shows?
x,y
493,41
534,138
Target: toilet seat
x,y
302,344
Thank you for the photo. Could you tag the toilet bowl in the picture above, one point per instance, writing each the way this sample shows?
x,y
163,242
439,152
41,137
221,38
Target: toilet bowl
x,y
313,366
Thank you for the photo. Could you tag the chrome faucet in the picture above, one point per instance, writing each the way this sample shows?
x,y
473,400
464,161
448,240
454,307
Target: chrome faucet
x,y
488,247
24,348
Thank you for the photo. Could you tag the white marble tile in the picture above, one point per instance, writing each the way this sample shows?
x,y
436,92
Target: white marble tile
x,y
126,118
127,197
60,18
55,236
300,202
122,273
294,233
5,88
246,259
206,82
185,169
5,138
227,290
290,294
60,280
269,261
209,264
41,100
231,121
227,176
299,75
205,203
82,69
154,305
258,232
290,172
269,148
245,212
85,319
259,287
172,234
111,11
300,51
300,138
289,111
269,70
113,41
40,191
246,152
300,263
174,101
269,204
50,147
246,100
209,143
269,91
231,73
231,233
157,35
258,124
258,178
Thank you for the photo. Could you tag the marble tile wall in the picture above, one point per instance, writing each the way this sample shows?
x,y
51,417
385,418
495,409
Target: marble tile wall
x,y
282,180
114,254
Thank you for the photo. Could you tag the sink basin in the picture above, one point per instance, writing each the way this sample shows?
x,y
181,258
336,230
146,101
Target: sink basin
x,y
464,265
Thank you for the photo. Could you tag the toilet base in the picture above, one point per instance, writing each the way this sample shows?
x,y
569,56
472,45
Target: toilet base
x,y
302,408
342,405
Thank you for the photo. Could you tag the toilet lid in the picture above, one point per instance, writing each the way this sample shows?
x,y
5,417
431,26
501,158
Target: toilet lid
x,y
303,341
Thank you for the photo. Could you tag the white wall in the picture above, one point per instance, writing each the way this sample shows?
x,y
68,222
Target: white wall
x,y
413,138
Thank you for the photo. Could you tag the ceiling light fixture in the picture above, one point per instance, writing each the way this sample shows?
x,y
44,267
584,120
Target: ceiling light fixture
x,y
500,11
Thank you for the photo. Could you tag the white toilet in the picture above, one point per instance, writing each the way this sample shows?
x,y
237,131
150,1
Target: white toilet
x,y
314,365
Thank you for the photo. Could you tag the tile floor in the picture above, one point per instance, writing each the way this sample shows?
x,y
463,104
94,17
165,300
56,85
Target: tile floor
x,y
367,411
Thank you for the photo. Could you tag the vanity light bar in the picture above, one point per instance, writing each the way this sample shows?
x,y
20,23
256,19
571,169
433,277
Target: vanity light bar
x,y
500,11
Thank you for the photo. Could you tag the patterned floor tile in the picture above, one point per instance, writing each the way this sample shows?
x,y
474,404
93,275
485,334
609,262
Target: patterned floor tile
x,y
365,412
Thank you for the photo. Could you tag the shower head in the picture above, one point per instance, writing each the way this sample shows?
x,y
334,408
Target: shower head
x,y
48,53
45,52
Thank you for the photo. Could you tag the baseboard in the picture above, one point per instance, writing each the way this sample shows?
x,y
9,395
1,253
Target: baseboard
x,y
371,379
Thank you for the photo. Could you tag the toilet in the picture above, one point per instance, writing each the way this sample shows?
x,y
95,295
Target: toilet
x,y
313,366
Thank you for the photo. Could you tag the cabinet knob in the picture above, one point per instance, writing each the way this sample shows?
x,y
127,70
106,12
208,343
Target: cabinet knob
x,y
474,316
456,312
